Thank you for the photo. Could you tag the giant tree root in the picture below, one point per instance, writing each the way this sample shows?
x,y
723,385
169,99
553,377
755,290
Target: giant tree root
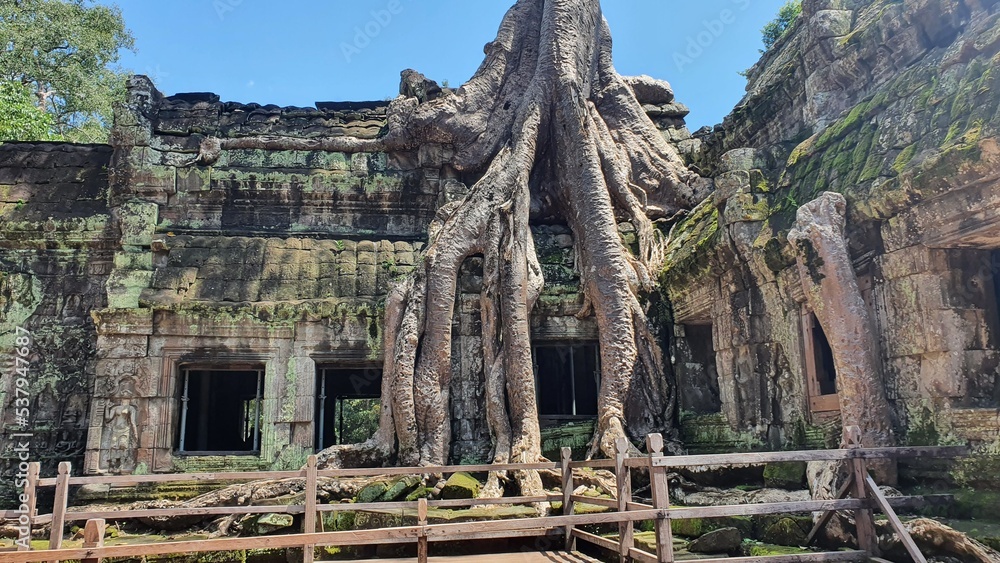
x,y
545,128
934,538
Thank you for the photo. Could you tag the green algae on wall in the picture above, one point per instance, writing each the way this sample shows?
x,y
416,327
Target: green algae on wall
x,y
692,243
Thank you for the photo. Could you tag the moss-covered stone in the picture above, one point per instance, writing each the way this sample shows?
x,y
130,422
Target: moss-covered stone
x,y
785,475
372,492
419,493
461,486
400,488
270,523
765,550
696,527
786,531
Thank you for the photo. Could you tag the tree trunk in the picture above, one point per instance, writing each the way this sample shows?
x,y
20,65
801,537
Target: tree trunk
x,y
546,118
832,290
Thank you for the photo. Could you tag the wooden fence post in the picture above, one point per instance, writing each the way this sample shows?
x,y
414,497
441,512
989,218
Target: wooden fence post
x,y
93,536
422,539
567,490
59,506
31,493
624,480
863,518
660,491
309,518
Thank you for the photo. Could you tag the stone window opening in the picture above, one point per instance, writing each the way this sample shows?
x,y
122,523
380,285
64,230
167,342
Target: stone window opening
x,y
348,404
221,411
821,372
567,381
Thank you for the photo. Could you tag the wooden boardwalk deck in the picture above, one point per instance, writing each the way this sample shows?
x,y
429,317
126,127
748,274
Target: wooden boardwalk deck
x,y
520,557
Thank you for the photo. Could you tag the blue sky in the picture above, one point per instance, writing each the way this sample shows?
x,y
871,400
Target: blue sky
x,y
297,52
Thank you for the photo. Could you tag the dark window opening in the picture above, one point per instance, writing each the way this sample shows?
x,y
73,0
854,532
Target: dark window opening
x,y
826,371
348,405
567,379
220,411
821,373
993,312
698,374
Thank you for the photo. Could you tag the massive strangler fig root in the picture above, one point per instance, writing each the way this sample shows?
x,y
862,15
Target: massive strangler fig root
x,y
546,122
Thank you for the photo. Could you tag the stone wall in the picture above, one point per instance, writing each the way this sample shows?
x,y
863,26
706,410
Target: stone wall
x,y
57,241
894,105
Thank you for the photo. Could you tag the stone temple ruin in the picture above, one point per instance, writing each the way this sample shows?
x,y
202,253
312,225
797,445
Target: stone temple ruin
x,y
194,317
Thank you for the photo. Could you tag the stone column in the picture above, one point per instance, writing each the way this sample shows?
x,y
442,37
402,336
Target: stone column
x,y
831,289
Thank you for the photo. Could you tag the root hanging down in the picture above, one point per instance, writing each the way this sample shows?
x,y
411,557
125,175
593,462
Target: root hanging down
x,y
546,118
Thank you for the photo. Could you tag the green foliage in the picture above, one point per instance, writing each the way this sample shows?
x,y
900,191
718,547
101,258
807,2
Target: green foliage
x,y
64,52
20,119
779,25
360,419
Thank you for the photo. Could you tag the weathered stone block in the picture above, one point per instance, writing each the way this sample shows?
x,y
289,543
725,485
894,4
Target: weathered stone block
x,y
138,222
124,287
122,346
133,260
174,278
461,486
367,280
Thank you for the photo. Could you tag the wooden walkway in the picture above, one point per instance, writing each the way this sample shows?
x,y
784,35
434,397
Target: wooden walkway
x,y
522,557
570,527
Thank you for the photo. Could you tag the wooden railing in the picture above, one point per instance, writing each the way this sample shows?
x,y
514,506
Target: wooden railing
x,y
625,510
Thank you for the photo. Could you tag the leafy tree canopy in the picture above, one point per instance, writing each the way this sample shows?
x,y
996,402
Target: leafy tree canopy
x,y
779,25
65,53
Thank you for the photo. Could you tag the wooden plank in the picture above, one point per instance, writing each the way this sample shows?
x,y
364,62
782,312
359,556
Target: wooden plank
x,y
167,512
180,478
659,487
642,556
801,558
623,479
357,537
751,458
367,506
821,523
549,522
790,507
566,457
422,538
309,518
93,536
675,461
517,557
59,506
640,506
609,544
593,464
434,469
466,503
638,462
904,535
